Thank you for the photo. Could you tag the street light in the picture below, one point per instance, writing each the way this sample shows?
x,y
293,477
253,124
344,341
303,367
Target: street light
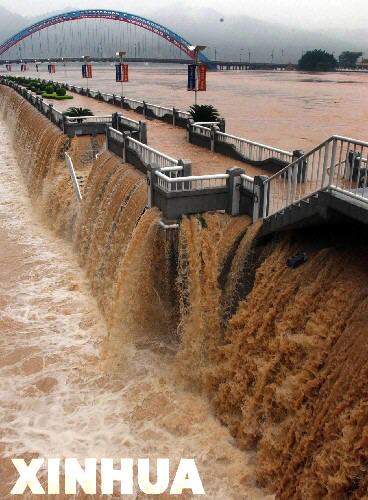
x,y
196,49
121,55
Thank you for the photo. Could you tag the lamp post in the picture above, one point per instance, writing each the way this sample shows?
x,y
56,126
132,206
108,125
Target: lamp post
x,y
196,49
121,55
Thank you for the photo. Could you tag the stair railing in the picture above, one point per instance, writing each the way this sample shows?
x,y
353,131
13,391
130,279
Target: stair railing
x,y
339,163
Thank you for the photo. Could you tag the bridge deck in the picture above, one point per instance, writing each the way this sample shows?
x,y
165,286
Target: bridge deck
x,y
167,139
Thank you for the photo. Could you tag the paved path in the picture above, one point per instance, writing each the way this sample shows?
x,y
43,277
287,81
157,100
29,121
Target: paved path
x,y
167,139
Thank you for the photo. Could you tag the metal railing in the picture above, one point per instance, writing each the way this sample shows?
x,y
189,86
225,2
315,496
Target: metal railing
x,y
73,177
338,163
190,183
150,156
254,151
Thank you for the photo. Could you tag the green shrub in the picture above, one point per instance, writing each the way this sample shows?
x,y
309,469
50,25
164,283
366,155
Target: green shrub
x,y
49,89
61,91
75,112
204,113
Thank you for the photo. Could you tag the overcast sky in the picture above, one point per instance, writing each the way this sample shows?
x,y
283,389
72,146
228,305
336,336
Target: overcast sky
x,y
307,14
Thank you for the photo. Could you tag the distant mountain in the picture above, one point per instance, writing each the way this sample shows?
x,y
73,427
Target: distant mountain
x,y
232,36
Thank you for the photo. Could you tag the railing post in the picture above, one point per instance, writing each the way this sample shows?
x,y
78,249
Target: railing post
x,y
125,136
260,197
302,166
107,138
222,125
186,172
233,185
214,130
333,161
175,114
325,162
144,109
64,123
190,124
143,132
115,121
151,185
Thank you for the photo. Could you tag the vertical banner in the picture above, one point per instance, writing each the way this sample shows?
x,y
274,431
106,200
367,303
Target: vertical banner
x,y
192,77
8,67
87,70
23,67
125,68
51,68
202,78
122,72
118,72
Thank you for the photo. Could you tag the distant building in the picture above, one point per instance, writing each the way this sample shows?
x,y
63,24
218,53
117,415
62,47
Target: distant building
x,y
363,64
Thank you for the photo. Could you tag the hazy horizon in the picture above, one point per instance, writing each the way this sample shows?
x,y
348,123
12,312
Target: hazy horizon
x,y
303,14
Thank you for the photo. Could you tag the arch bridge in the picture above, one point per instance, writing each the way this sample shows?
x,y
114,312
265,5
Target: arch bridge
x,y
114,15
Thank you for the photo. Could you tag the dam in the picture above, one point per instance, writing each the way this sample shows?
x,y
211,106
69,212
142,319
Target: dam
x,y
198,340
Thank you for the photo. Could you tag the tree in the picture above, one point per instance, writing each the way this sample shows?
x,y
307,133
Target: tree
x,y
349,59
317,60
204,113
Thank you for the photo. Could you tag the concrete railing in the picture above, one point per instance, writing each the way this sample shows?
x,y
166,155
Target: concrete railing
x,y
189,194
190,183
210,137
253,151
171,187
163,113
124,124
89,119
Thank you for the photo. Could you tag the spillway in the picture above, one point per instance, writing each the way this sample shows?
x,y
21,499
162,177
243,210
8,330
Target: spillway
x,y
122,338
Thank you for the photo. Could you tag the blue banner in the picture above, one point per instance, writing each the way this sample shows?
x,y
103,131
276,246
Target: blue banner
x,y
118,72
192,77
84,70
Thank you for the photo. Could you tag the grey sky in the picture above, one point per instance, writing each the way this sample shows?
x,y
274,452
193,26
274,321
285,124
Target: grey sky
x,y
307,14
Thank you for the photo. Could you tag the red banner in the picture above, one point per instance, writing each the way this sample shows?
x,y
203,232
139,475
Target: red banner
x,y
125,72
88,70
202,78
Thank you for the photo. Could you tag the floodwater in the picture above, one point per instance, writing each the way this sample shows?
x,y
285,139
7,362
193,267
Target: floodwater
x,y
57,400
285,109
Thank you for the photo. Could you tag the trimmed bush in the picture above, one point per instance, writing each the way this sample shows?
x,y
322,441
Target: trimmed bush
x,y
61,91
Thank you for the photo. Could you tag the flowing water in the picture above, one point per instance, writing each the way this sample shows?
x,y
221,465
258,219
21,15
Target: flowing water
x,y
69,388
286,109
187,325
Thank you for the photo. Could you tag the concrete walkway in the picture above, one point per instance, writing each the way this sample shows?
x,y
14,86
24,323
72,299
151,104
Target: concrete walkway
x,y
167,139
